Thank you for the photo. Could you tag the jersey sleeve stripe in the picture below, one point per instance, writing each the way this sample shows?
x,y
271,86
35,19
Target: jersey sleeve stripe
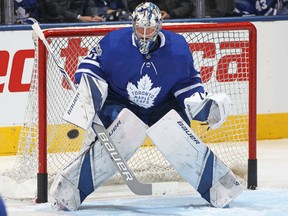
x,y
87,71
180,91
91,62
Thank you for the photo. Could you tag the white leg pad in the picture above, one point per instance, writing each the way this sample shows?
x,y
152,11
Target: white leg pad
x,y
94,166
65,193
225,190
193,160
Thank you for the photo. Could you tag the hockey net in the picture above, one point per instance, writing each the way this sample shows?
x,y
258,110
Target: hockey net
x,y
224,53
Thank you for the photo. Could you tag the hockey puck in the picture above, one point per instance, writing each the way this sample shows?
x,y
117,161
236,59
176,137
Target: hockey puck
x,y
72,134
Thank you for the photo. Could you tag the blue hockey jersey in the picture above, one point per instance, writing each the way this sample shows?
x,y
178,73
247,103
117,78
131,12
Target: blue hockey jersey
x,y
144,80
261,7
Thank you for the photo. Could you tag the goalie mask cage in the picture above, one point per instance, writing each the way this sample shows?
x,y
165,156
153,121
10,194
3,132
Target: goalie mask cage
x,y
224,53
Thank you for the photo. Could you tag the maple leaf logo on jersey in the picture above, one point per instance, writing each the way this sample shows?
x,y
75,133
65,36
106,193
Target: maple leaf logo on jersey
x,y
143,95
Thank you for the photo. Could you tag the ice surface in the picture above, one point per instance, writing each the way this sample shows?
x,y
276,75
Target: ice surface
x,y
270,198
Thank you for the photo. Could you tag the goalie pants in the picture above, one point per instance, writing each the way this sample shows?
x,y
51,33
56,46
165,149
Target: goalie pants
x,y
114,104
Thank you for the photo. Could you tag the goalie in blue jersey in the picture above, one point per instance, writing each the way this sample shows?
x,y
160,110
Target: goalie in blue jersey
x,y
149,71
137,77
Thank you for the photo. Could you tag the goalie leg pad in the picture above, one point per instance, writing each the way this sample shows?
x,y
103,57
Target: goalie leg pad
x,y
66,194
193,160
94,167
225,190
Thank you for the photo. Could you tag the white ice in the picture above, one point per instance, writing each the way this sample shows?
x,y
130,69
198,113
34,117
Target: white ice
x,y
270,198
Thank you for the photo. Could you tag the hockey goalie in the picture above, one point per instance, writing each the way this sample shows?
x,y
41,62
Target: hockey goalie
x,y
140,81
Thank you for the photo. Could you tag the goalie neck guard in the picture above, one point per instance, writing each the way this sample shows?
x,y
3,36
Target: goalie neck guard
x,y
147,22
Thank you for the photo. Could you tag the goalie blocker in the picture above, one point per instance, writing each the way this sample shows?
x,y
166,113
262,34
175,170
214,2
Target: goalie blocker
x,y
194,161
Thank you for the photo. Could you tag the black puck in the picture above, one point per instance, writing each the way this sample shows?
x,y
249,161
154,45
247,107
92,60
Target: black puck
x,y
72,134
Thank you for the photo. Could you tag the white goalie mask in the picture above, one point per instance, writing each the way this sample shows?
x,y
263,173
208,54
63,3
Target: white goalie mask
x,y
147,22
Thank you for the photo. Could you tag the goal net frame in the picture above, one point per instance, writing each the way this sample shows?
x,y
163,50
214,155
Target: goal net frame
x,y
42,176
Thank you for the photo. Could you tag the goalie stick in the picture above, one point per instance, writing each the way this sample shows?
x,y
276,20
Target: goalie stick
x,y
101,132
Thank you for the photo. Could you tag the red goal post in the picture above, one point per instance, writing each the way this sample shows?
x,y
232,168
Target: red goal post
x,y
224,53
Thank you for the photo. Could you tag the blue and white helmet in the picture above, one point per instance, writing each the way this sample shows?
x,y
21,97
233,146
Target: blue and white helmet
x,y
147,22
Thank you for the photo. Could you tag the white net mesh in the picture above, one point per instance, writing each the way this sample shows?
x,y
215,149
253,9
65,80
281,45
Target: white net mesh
x,y
222,56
